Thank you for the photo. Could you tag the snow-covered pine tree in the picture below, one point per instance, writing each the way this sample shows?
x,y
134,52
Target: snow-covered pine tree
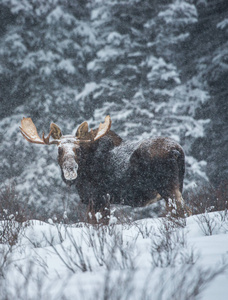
x,y
209,52
45,47
70,61
135,75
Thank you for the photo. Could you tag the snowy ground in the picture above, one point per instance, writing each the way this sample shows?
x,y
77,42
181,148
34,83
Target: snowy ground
x,y
146,259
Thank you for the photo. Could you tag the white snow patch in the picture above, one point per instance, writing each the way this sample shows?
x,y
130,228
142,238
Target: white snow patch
x,y
88,89
121,256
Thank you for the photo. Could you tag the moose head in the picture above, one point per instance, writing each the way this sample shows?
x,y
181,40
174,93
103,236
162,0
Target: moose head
x,y
68,145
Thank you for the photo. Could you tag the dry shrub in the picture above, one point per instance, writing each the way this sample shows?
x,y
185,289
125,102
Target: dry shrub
x,y
13,215
11,205
207,198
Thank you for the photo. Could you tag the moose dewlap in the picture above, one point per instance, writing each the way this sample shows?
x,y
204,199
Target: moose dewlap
x,y
105,169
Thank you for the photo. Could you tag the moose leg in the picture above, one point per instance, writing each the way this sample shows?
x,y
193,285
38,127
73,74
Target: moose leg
x,y
153,200
180,200
99,212
175,204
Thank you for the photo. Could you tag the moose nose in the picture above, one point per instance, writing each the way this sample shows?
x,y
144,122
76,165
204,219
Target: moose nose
x,y
70,171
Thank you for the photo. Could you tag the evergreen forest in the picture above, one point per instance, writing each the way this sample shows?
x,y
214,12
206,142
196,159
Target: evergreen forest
x,y
158,68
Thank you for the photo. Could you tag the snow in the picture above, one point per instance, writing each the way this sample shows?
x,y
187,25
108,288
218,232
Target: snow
x,y
59,14
181,11
66,65
90,87
82,261
223,24
108,53
166,71
115,38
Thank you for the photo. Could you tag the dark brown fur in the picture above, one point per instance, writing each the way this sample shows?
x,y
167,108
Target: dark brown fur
x,y
131,173
107,170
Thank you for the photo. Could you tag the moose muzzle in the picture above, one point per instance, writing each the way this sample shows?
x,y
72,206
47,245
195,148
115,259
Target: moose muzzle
x,y
69,169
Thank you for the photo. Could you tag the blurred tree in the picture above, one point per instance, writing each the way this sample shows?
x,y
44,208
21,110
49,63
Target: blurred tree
x,y
45,46
135,75
155,66
210,39
44,54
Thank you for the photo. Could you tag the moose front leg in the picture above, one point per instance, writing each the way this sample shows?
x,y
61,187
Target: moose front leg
x,y
98,212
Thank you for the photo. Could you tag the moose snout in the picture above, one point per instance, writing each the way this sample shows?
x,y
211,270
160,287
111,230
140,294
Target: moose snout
x,y
69,169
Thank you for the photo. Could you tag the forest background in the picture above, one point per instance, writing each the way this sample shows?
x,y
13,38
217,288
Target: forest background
x,y
157,67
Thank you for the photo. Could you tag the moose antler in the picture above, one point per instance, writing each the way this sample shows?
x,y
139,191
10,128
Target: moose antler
x,y
29,132
103,128
84,135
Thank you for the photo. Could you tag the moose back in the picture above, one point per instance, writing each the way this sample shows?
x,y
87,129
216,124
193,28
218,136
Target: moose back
x,y
105,169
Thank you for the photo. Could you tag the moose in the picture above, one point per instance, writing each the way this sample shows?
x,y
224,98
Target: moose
x,y
105,169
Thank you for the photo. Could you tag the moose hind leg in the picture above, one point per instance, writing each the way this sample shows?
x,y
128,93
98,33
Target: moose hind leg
x,y
175,204
178,202
184,206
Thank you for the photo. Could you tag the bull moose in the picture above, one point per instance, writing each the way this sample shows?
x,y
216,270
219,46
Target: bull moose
x,y
105,169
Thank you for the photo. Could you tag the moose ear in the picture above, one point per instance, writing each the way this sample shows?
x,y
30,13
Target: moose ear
x,y
82,131
55,131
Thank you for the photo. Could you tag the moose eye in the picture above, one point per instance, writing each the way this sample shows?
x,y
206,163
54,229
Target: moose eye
x,y
60,150
77,151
